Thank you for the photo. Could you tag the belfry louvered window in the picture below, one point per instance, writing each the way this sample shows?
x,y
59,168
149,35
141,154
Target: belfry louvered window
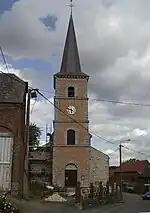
x,y
71,92
71,137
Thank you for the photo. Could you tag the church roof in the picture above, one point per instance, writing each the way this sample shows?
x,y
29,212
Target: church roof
x,y
12,88
70,65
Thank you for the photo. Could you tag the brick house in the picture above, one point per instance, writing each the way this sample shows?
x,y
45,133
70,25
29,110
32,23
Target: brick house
x,y
73,156
12,125
131,171
144,180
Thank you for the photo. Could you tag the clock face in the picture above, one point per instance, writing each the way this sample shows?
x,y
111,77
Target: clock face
x,y
71,110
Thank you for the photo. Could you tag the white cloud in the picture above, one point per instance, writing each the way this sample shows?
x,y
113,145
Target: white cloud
x,y
101,123
42,112
113,37
139,132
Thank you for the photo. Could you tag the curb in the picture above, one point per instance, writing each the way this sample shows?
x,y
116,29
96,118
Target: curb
x,y
112,207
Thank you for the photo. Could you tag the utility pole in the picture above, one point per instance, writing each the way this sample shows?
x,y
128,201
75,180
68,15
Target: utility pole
x,y
120,158
31,94
26,157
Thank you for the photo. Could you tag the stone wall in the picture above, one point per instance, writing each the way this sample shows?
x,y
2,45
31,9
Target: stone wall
x,y
99,166
39,155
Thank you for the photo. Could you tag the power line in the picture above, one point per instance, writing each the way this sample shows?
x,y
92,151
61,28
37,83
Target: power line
x,y
93,99
141,153
33,106
94,134
122,102
46,91
110,101
4,59
114,151
74,119
110,142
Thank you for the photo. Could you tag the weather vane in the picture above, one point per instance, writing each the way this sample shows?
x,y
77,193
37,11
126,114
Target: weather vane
x,y
71,5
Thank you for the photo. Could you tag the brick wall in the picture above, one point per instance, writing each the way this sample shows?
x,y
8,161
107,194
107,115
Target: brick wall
x,y
79,153
126,176
12,120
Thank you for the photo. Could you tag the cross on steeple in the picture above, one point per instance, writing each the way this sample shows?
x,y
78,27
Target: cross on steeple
x,y
71,5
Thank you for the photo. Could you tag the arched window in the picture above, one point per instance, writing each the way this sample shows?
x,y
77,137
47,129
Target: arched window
x,y
71,137
71,92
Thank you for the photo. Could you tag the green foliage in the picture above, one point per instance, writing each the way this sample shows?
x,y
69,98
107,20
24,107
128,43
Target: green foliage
x,y
34,134
6,207
131,160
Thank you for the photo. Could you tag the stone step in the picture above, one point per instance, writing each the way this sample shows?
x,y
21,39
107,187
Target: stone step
x,y
70,191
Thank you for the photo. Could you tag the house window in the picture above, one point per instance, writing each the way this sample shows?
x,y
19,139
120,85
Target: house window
x,y
71,92
71,137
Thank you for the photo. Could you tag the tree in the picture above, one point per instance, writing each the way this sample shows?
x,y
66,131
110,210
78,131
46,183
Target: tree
x,y
34,134
131,160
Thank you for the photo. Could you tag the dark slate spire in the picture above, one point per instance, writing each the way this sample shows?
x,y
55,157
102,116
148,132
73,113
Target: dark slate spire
x,y
71,62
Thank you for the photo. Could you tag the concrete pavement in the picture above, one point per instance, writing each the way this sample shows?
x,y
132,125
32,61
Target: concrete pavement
x,y
133,204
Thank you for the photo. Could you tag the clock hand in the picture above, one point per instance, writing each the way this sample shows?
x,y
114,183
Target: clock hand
x,y
69,110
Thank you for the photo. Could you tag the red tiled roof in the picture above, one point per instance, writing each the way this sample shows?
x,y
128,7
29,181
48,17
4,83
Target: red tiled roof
x,y
136,166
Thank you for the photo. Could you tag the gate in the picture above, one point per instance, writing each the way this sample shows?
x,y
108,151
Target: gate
x,y
6,153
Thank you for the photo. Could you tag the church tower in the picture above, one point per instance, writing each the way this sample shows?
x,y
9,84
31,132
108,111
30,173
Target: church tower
x,y
71,145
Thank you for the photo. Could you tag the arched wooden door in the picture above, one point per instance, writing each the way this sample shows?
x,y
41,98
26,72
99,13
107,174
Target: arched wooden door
x,y
71,173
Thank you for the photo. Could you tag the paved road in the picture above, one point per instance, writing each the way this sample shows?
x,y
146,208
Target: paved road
x,y
133,204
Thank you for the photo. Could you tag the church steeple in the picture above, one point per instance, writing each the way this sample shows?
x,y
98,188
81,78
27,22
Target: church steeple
x,y
71,62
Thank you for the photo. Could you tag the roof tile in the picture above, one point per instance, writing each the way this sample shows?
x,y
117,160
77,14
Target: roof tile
x,y
12,88
71,62
134,166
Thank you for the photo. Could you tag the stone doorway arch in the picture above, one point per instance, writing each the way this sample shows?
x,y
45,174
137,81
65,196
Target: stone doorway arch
x,y
71,173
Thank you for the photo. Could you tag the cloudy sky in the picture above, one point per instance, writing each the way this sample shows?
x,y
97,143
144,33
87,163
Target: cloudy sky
x,y
114,44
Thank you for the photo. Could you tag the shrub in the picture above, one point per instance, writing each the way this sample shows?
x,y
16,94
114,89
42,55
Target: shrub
x,y
6,207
